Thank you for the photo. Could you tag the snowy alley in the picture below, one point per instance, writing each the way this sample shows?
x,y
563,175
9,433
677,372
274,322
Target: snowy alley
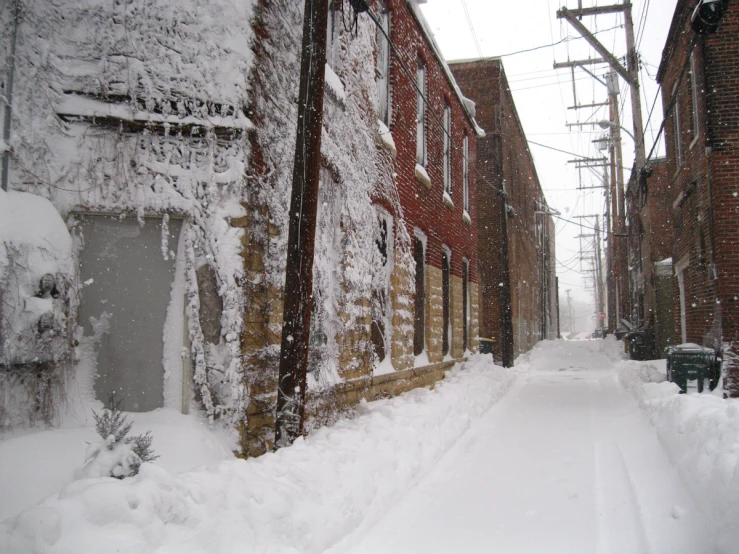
x,y
552,456
565,463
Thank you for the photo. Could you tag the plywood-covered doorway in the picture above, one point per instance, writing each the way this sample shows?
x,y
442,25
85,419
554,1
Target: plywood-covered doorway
x,y
126,271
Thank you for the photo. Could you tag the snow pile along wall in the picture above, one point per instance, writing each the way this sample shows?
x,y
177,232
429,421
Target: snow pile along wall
x,y
35,274
700,433
305,498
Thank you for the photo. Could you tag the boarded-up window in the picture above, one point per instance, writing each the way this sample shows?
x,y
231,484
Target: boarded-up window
x,y
419,317
445,342
465,303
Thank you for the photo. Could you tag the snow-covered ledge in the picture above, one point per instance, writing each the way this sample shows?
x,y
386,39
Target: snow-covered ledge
x,y
386,139
466,217
423,177
447,200
334,86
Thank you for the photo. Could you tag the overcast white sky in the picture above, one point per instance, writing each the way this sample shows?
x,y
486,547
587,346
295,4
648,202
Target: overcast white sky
x,y
542,96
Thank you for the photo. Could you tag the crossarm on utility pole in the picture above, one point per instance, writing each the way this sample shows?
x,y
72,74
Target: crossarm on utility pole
x,y
595,43
597,10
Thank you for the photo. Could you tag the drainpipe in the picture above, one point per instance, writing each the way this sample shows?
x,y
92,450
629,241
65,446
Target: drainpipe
x,y
9,100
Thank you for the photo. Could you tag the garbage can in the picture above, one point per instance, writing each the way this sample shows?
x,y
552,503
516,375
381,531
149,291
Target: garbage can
x,y
690,361
486,346
641,344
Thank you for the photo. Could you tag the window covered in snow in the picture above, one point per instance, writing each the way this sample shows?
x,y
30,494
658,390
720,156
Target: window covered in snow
x,y
381,331
332,31
383,67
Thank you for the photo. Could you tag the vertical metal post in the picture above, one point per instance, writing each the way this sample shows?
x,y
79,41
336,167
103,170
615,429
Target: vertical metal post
x,y
298,301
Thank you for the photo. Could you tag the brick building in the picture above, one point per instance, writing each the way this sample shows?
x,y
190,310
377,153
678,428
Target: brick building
x,y
516,235
702,138
650,264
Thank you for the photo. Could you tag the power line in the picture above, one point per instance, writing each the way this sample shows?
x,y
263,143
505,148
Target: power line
x,y
567,38
472,28
557,149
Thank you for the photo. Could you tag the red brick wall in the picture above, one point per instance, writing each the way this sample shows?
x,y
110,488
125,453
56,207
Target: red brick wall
x,y
506,162
424,208
704,183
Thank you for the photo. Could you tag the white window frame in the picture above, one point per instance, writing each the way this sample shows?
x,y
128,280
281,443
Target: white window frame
x,y
676,121
421,153
331,32
680,268
448,150
694,95
382,68
466,173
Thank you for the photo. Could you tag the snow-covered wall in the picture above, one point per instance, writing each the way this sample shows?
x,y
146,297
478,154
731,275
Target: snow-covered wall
x,y
137,107
355,174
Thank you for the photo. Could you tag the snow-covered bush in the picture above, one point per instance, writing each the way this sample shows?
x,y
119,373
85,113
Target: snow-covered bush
x,y
116,454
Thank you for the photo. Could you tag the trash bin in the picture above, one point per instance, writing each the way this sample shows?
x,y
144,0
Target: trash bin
x,y
690,361
641,344
486,346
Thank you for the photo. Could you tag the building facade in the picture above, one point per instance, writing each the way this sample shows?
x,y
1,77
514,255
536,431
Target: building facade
x,y
516,232
167,150
700,92
650,262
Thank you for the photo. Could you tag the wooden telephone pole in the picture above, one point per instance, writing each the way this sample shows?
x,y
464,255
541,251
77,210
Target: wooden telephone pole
x,y
630,74
298,301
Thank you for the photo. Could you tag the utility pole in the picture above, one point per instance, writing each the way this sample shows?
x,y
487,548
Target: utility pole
x,y
569,311
298,302
621,268
599,272
506,331
630,74
556,292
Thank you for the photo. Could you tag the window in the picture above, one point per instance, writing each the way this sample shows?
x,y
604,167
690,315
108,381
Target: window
x,y
680,273
466,173
447,329
419,257
332,31
382,68
421,115
448,150
676,121
694,91
380,331
465,303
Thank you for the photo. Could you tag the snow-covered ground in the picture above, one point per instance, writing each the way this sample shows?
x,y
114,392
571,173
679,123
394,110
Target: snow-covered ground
x,y
301,499
566,461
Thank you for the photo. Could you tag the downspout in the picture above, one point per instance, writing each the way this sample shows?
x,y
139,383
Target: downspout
x,y
9,100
